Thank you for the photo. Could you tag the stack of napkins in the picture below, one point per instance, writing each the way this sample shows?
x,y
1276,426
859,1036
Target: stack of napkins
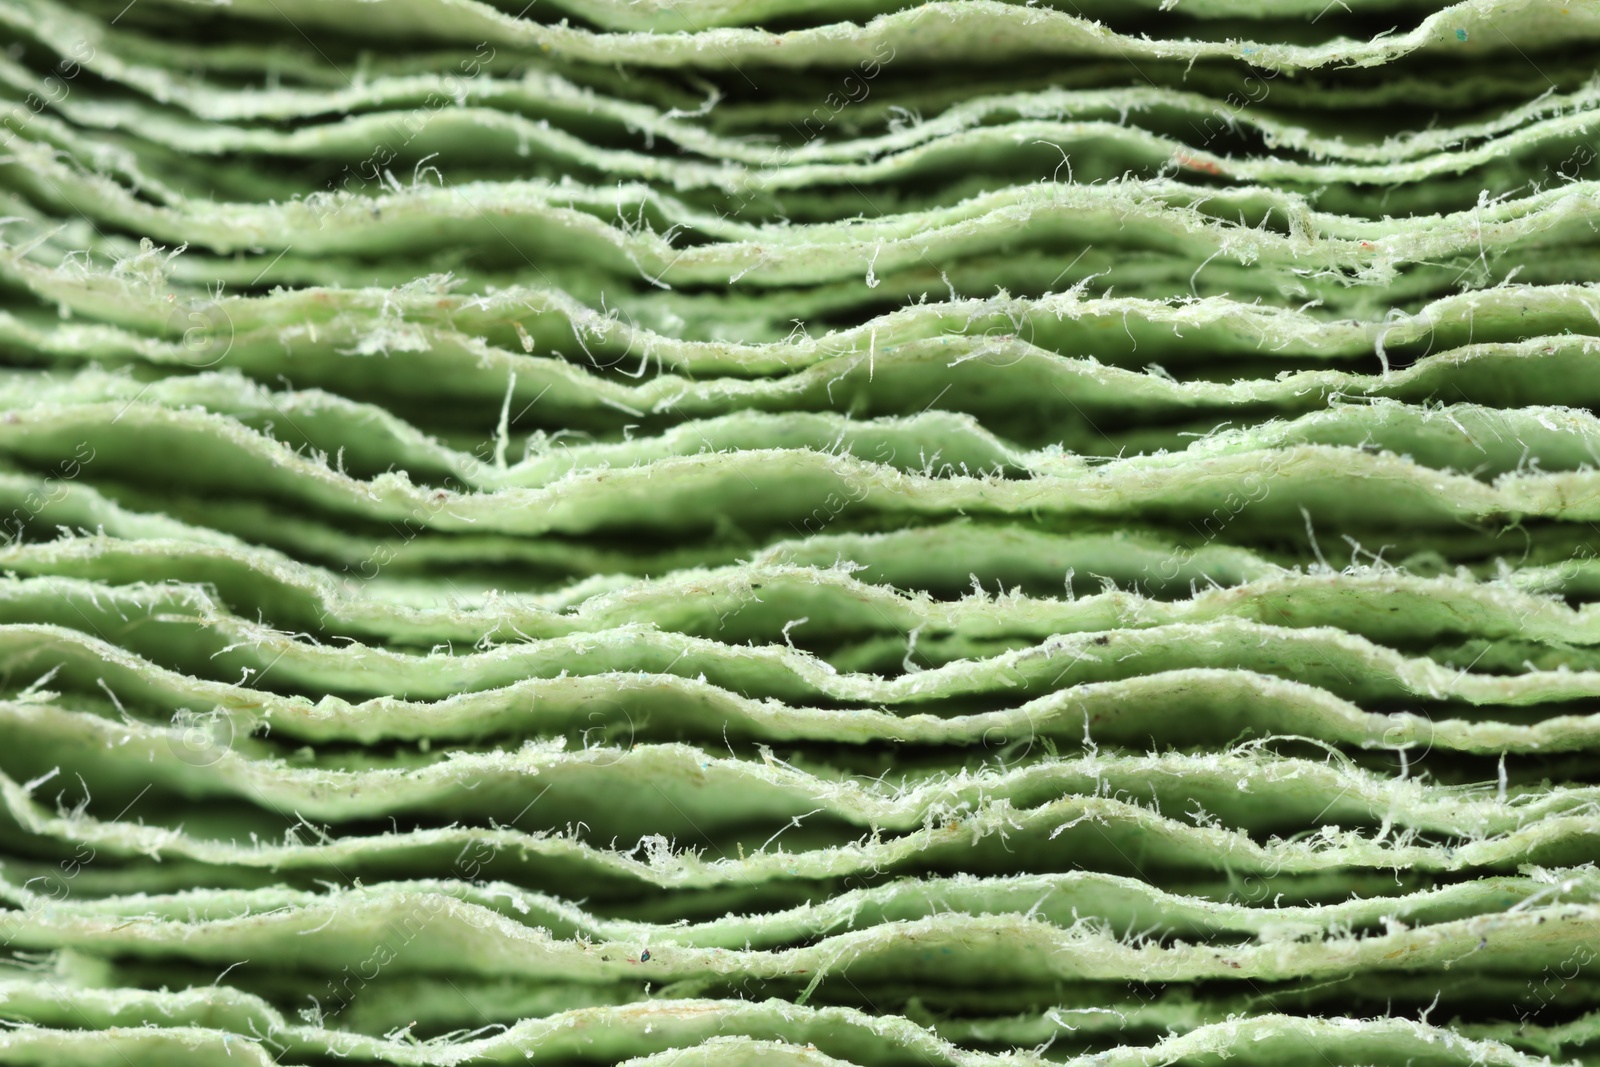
x,y
776,532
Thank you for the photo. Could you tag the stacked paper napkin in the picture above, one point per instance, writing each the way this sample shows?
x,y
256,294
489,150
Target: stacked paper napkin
x,y
777,532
